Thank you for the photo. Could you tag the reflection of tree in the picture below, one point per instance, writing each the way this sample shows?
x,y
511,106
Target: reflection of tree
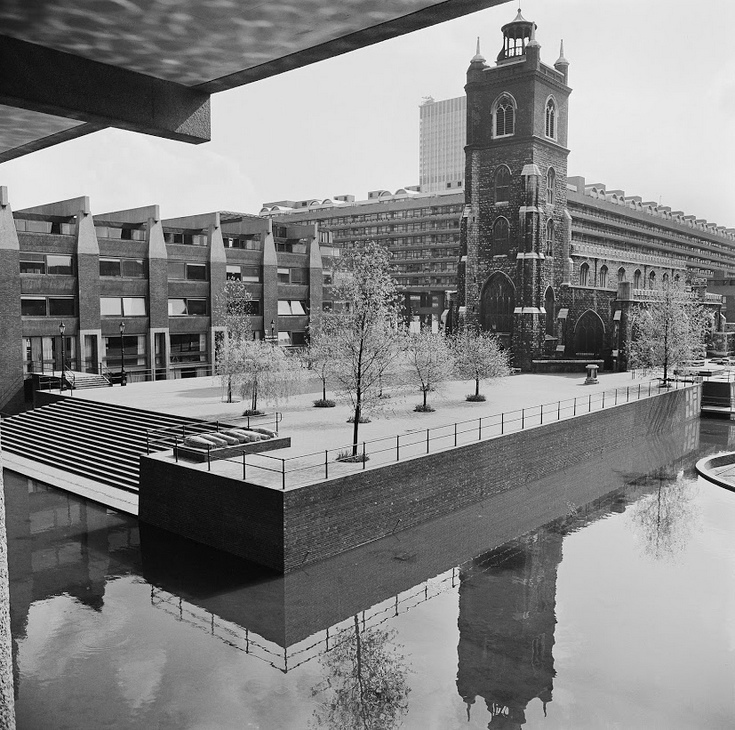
x,y
365,686
666,518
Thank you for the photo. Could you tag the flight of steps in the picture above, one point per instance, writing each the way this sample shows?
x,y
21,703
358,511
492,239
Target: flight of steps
x,y
100,441
86,380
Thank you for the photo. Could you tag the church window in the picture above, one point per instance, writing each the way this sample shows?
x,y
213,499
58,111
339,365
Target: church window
x,y
501,236
665,279
602,277
550,182
637,279
504,115
652,280
550,237
551,119
584,275
549,306
502,185
621,274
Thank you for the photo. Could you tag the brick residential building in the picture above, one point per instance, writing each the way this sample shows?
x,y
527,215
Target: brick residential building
x,y
129,285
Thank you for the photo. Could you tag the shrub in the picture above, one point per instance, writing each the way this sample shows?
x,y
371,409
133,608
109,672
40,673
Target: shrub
x,y
421,408
324,403
363,419
251,412
475,398
350,458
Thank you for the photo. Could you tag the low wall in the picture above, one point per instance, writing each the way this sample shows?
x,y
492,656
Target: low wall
x,y
311,523
564,366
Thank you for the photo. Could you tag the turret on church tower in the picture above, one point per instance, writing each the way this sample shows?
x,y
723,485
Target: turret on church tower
x,y
516,229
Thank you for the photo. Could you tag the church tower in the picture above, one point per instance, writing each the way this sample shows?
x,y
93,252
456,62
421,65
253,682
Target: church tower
x,y
516,229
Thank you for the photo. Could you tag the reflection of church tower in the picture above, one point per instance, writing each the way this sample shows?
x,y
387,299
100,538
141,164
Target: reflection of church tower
x,y
516,229
506,627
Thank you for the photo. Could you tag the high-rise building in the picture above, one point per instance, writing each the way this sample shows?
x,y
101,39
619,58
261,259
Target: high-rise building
x,y
442,137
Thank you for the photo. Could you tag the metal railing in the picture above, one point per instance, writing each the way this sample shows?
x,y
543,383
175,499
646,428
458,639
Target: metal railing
x,y
295,471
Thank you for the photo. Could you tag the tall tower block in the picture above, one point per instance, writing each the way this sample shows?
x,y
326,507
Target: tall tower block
x,y
516,229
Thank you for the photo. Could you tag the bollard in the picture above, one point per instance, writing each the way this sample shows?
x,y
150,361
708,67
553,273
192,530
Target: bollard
x,y
479,427
398,448
455,434
575,406
616,396
283,474
244,473
523,418
502,423
363,455
541,416
589,408
627,394
639,391
427,440
558,411
209,458
326,463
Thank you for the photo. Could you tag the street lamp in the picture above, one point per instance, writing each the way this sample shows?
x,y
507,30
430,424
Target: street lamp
x,y
62,329
123,378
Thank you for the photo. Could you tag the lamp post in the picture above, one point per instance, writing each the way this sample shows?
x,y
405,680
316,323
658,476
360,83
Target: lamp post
x,y
62,329
123,378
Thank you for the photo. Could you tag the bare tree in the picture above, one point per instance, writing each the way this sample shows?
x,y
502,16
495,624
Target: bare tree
x,y
234,309
668,330
429,363
265,371
363,338
366,686
317,357
479,357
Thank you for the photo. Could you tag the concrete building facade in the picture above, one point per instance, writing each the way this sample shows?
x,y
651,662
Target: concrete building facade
x,y
442,138
132,288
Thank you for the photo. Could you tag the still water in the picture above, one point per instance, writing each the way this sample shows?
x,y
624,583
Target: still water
x,y
602,599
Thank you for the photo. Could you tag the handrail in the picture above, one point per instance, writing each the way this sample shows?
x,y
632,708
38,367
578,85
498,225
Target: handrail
x,y
319,465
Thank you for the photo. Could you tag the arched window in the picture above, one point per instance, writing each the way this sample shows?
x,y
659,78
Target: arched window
x,y
502,184
497,304
652,280
551,119
602,277
621,274
501,236
550,237
676,278
504,115
584,274
665,279
549,306
637,279
550,182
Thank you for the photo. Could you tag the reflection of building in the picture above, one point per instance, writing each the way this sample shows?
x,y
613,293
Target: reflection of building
x,y
506,627
161,279
442,137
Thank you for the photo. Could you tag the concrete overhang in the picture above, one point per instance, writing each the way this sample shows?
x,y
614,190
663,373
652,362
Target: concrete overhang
x,y
71,67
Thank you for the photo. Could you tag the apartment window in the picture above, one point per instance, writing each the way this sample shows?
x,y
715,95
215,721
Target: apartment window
x,y
129,268
52,264
327,278
47,306
33,306
196,272
187,307
284,276
299,276
292,307
187,239
123,307
234,273
189,348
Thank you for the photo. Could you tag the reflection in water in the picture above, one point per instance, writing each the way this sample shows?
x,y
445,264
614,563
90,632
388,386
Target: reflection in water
x,y
365,685
506,627
334,631
666,518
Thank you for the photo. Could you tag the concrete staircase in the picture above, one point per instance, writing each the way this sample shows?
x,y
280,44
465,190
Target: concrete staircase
x,y
79,380
102,442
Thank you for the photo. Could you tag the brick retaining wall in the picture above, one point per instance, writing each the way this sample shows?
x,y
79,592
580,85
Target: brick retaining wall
x,y
287,530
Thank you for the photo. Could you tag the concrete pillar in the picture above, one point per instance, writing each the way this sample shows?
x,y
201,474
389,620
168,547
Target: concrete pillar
x,y
316,277
270,281
11,335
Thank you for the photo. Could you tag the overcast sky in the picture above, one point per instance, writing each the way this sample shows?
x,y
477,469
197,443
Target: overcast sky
x,y
652,112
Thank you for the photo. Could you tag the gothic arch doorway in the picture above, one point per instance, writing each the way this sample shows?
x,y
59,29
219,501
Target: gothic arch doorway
x,y
589,335
497,303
